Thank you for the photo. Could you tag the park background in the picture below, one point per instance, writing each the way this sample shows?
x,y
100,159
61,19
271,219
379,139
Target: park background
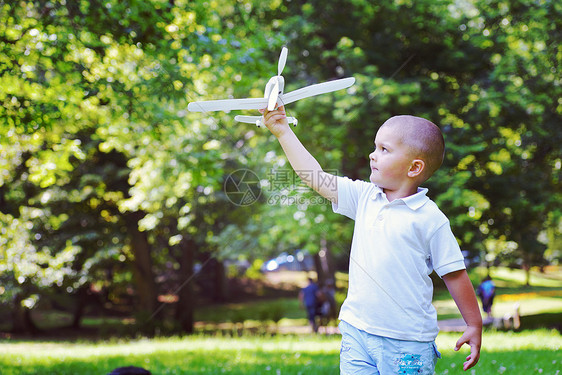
x,y
135,232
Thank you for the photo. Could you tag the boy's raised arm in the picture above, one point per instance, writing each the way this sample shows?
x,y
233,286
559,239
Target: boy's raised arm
x,y
461,290
303,163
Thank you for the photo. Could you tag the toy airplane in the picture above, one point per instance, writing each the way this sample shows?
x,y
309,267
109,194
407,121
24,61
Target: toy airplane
x,y
273,96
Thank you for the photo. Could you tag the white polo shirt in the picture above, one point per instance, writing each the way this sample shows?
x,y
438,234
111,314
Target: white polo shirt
x,y
396,245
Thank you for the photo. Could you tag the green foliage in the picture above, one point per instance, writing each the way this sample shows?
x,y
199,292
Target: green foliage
x,y
25,268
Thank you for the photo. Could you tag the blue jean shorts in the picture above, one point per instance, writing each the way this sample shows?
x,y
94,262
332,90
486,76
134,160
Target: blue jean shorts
x,y
365,354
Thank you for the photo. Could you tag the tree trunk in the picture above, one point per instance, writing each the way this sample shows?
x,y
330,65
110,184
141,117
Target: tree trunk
x,y
527,269
142,265
22,321
29,323
323,263
81,303
220,282
18,320
186,295
526,257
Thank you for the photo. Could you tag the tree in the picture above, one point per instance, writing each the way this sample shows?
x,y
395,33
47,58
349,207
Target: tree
x,y
525,147
87,81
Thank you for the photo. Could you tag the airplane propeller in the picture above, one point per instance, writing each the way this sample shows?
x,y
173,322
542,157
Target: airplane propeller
x,y
273,94
276,84
282,60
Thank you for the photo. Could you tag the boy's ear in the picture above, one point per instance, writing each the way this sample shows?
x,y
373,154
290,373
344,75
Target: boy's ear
x,y
416,168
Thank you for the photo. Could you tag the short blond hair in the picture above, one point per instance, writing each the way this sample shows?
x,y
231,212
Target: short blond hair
x,y
423,138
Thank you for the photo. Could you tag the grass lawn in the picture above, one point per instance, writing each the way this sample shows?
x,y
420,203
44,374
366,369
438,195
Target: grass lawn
x,y
522,353
190,355
529,352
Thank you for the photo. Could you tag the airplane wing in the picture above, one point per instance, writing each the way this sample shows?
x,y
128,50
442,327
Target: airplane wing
x,y
227,105
260,103
248,119
317,89
258,120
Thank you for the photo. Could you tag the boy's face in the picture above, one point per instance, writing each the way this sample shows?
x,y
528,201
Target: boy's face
x,y
390,161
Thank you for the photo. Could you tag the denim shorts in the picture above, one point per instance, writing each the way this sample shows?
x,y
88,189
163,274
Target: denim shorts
x,y
365,354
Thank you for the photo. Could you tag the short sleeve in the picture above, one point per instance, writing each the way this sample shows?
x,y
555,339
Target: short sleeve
x,y
446,256
349,193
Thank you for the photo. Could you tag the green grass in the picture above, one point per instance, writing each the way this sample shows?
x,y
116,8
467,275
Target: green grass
x,y
528,304
255,310
191,355
508,278
530,352
527,352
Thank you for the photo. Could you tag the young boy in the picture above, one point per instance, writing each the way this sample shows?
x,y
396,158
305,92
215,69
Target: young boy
x,y
388,323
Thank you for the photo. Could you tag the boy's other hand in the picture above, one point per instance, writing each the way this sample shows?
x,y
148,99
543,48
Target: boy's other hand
x,y
473,337
276,121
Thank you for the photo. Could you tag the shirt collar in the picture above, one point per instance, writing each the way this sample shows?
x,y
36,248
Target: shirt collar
x,y
413,201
